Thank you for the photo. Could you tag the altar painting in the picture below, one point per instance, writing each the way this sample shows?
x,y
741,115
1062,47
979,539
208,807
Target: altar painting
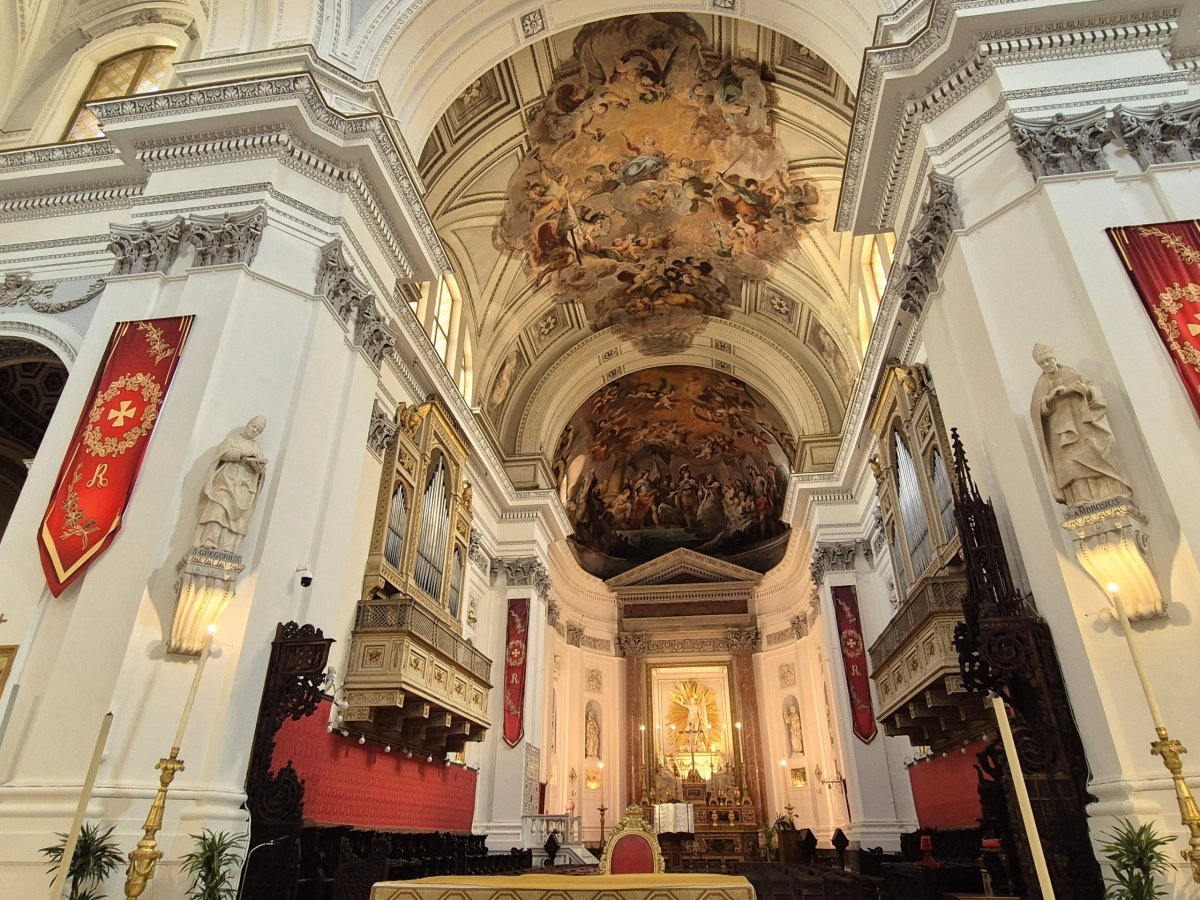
x,y
693,726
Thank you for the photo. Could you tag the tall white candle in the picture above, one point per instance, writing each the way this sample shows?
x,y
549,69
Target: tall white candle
x,y
205,652
89,781
1127,630
1014,768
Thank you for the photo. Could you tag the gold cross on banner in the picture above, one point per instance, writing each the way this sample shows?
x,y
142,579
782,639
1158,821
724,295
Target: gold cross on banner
x,y
118,416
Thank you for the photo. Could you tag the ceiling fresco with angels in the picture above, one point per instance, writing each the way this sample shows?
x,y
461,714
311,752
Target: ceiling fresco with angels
x,y
675,456
655,186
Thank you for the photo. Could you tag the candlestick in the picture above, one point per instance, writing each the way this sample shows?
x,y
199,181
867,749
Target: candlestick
x,y
85,794
205,652
783,777
1165,747
645,779
741,752
1014,767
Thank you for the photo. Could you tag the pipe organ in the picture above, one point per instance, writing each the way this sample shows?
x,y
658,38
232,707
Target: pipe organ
x,y
412,679
914,662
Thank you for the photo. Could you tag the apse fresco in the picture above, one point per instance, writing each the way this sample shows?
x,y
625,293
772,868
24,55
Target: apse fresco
x,y
675,456
655,186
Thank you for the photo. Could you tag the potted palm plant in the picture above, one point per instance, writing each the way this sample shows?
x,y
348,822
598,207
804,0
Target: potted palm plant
x,y
211,864
96,857
1136,856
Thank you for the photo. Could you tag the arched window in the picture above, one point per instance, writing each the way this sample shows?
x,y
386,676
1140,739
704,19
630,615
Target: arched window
x,y
466,370
912,510
943,493
876,264
137,72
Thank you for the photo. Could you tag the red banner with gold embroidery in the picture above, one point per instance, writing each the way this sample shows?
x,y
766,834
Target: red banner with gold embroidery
x,y
516,652
105,454
1163,262
854,658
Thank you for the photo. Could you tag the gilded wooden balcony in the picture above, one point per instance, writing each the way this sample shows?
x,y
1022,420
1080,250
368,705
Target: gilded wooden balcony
x,y
412,680
915,669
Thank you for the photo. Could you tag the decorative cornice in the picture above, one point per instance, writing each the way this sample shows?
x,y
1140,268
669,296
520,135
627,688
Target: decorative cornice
x,y
837,557
1064,144
303,89
524,570
902,54
633,643
927,245
381,433
797,629
18,290
354,304
146,248
587,642
737,640
227,238
56,155
1166,133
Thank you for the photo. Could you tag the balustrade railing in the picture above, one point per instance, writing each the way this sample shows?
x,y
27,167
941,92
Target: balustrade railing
x,y
535,830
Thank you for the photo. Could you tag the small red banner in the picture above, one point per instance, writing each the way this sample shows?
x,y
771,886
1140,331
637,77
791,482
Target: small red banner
x,y
105,454
854,658
1163,262
516,649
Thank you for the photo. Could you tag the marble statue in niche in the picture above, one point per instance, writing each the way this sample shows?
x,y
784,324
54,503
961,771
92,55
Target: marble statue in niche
x,y
231,491
795,731
591,735
1077,444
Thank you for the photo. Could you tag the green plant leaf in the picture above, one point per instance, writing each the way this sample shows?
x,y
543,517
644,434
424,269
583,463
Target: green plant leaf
x,y
1135,854
211,864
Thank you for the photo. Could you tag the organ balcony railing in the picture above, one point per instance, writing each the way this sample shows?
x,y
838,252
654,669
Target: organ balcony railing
x,y
412,679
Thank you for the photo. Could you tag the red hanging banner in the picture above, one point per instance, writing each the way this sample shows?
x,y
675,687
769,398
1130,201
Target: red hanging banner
x,y
854,658
105,453
1163,262
516,648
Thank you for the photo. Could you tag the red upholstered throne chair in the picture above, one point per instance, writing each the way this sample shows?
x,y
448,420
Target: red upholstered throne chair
x,y
632,848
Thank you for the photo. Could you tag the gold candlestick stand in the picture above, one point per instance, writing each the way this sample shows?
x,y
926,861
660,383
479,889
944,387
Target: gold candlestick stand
x,y
144,860
1170,750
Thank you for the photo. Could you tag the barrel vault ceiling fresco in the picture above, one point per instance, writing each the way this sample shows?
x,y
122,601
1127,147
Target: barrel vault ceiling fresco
x,y
638,212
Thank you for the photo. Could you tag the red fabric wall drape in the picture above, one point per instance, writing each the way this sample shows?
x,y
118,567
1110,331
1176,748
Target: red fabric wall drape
x,y
1163,262
346,783
946,788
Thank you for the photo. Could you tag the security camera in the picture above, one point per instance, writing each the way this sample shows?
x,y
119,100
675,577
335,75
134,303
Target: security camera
x,y
305,575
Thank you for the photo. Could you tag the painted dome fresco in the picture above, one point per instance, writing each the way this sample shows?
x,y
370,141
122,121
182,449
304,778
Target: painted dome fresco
x,y
655,186
675,456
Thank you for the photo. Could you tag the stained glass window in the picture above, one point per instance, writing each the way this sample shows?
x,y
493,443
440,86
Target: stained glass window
x,y
139,72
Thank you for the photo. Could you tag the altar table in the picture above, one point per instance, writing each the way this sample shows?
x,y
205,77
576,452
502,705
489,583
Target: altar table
x,y
567,887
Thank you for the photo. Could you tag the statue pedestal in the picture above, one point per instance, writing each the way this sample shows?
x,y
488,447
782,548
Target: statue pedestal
x,y
1112,543
206,585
